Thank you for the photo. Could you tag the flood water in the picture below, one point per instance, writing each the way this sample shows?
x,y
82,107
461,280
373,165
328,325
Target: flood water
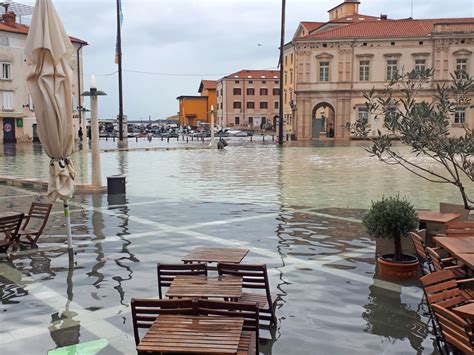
x,y
297,209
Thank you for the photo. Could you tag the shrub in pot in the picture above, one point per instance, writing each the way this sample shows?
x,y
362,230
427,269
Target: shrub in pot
x,y
393,218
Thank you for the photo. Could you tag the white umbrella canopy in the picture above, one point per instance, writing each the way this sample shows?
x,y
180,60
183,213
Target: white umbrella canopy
x,y
48,49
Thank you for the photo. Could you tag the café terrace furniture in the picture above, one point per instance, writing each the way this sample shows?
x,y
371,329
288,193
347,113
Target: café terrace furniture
x,y
459,248
10,223
452,208
215,255
38,213
460,229
446,263
225,287
420,249
254,277
455,330
434,223
194,326
167,272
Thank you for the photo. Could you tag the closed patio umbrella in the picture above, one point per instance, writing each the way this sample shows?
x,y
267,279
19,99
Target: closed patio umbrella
x,y
48,49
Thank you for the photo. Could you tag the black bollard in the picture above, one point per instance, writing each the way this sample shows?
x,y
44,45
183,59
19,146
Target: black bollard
x,y
263,138
168,139
162,138
113,138
106,138
251,138
187,139
202,138
177,138
192,138
136,138
273,138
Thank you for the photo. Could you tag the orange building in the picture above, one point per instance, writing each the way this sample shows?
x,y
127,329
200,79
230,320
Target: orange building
x,y
196,109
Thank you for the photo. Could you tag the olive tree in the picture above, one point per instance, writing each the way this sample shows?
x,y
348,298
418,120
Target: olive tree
x,y
424,126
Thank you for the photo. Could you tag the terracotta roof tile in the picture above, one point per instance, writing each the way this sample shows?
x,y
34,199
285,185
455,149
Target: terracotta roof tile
x,y
407,28
207,85
23,29
255,74
311,26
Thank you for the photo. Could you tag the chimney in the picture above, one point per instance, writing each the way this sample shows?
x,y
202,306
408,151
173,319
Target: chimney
x,y
9,19
383,17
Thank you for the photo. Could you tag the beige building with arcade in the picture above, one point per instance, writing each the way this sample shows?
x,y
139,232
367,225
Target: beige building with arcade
x,y
328,65
17,116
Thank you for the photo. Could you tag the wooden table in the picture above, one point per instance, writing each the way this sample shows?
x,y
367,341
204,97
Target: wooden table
x,y
205,286
466,311
216,255
437,217
456,245
467,259
193,334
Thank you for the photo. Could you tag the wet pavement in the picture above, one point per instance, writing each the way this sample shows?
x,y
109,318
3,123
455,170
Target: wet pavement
x,y
298,210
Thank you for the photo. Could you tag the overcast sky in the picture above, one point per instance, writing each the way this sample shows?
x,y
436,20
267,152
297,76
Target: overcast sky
x,y
206,38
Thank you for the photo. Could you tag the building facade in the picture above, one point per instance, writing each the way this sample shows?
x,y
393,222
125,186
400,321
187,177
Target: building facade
x,y
249,99
196,110
329,65
17,115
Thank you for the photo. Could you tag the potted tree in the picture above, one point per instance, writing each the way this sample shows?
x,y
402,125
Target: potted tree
x,y
393,218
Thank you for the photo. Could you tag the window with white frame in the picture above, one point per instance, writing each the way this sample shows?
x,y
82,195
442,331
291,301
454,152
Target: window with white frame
x,y
362,113
7,100
324,71
420,65
6,73
392,68
364,70
460,115
461,68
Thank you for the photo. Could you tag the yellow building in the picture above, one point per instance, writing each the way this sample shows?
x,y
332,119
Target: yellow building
x,y
194,110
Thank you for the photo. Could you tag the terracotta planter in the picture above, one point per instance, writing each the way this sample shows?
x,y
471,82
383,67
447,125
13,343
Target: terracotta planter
x,y
399,270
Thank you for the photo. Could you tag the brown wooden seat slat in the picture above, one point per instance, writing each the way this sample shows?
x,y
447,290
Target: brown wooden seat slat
x,y
10,223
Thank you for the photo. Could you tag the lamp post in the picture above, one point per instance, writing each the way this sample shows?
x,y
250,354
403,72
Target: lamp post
x,y
282,45
94,93
213,141
83,125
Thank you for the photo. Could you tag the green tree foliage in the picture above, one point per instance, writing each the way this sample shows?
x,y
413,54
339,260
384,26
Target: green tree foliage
x,y
424,127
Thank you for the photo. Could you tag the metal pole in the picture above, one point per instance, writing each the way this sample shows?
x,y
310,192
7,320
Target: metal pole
x,y
282,44
119,62
96,174
67,217
213,140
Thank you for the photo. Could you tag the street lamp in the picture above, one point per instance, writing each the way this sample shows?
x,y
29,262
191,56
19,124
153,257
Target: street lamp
x,y
93,93
82,124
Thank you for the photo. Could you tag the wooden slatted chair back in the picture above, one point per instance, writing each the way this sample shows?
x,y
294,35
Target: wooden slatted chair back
x,y
248,311
39,212
9,226
145,312
253,275
452,208
167,272
419,245
456,331
435,259
460,229
441,288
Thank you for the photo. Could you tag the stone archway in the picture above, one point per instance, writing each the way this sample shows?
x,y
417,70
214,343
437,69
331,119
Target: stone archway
x,y
323,120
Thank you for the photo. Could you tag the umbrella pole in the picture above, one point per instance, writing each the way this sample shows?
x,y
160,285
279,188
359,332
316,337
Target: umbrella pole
x,y
67,217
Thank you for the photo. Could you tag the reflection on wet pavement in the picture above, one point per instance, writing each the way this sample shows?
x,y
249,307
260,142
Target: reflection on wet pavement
x,y
299,213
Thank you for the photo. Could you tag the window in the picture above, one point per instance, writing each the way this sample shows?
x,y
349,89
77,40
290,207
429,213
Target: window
x,y
264,105
250,105
6,71
237,91
250,91
250,81
237,120
285,99
364,70
286,78
237,104
291,58
286,60
460,115
237,81
277,82
264,92
8,100
291,77
392,68
251,121
276,92
323,71
420,65
276,105
362,113
264,81
461,68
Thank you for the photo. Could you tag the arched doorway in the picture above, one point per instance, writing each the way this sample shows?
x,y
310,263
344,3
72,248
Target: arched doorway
x,y
323,120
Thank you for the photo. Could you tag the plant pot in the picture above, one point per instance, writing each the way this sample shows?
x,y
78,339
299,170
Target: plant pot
x,y
399,270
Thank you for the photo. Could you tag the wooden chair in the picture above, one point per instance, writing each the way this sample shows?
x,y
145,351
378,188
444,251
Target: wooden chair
x,y
460,229
445,262
145,311
9,226
39,212
253,277
442,287
420,249
455,330
167,272
452,208
248,311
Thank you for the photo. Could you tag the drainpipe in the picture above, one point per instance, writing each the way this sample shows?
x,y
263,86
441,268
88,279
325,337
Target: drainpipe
x,y
82,120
